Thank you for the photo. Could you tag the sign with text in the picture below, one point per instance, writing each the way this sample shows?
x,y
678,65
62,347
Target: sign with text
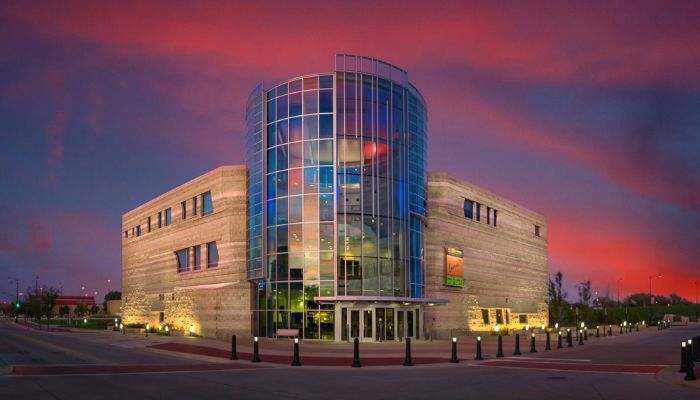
x,y
454,267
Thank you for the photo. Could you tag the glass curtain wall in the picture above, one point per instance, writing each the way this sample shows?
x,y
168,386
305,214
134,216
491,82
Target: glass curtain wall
x,y
299,205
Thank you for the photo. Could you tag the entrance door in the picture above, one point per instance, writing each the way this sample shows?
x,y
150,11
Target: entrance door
x,y
381,323
409,323
344,324
354,323
367,328
399,324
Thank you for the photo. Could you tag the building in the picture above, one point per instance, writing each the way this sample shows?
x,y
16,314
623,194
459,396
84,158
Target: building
x,y
72,302
184,257
326,233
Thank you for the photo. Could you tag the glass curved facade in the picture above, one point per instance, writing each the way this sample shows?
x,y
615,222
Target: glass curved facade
x,y
341,204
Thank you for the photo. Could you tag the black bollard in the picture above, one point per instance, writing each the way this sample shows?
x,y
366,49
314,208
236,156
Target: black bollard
x,y
356,353
256,353
478,349
580,340
547,343
559,346
407,361
517,345
295,361
610,330
533,349
683,358
621,331
696,348
234,351
637,326
597,331
690,366
568,339
454,358
585,334
604,330
499,353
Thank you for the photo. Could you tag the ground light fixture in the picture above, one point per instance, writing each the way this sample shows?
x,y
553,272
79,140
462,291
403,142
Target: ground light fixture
x,y
583,324
85,320
496,328
191,329
542,326
527,327
166,328
556,326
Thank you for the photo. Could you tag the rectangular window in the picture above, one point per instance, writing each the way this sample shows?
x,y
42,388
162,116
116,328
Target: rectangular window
x,y
160,219
138,230
194,205
133,231
183,205
537,230
149,224
523,318
212,255
468,209
126,234
478,212
499,316
488,215
168,216
197,250
495,217
485,316
207,205
183,260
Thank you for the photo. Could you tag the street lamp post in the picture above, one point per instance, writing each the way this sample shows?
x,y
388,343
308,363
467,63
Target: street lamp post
x,y
650,278
696,299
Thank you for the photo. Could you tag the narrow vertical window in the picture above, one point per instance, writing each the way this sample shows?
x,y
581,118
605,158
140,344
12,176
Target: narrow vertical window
x,y
212,255
138,230
488,215
197,250
183,260
468,209
160,219
133,231
126,234
183,205
168,216
149,224
495,217
478,212
537,230
194,206
207,205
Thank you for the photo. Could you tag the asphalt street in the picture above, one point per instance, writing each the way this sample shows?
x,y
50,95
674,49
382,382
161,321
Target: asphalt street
x,y
468,379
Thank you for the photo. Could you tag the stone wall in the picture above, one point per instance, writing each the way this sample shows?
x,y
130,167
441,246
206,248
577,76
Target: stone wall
x,y
216,301
505,266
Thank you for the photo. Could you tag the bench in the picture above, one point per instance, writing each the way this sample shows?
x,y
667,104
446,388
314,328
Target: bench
x,y
288,332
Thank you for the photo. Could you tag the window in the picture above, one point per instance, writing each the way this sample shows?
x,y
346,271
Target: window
x,y
212,255
194,205
537,230
168,216
149,224
197,258
468,209
183,260
126,234
488,215
495,217
183,205
499,316
138,230
133,231
478,212
485,315
207,206
523,318
160,219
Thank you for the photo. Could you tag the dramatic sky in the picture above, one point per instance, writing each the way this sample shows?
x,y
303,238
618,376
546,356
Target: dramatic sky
x,y
587,113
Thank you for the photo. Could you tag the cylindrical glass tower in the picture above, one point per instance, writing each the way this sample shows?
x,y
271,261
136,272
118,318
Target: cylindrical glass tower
x,y
336,215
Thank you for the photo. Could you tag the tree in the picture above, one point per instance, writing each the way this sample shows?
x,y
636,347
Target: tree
x,y
47,302
113,295
80,309
95,309
676,299
584,293
557,298
63,311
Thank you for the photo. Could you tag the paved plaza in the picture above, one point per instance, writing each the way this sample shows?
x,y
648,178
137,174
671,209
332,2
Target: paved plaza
x,y
85,364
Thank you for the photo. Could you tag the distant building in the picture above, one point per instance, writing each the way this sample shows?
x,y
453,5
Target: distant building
x,y
333,229
72,302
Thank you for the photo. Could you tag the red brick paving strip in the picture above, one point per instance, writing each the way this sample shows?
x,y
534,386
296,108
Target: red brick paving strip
x,y
123,369
305,360
639,369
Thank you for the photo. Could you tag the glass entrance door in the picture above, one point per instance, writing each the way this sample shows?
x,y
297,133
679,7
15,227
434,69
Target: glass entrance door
x,y
354,323
400,331
368,319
